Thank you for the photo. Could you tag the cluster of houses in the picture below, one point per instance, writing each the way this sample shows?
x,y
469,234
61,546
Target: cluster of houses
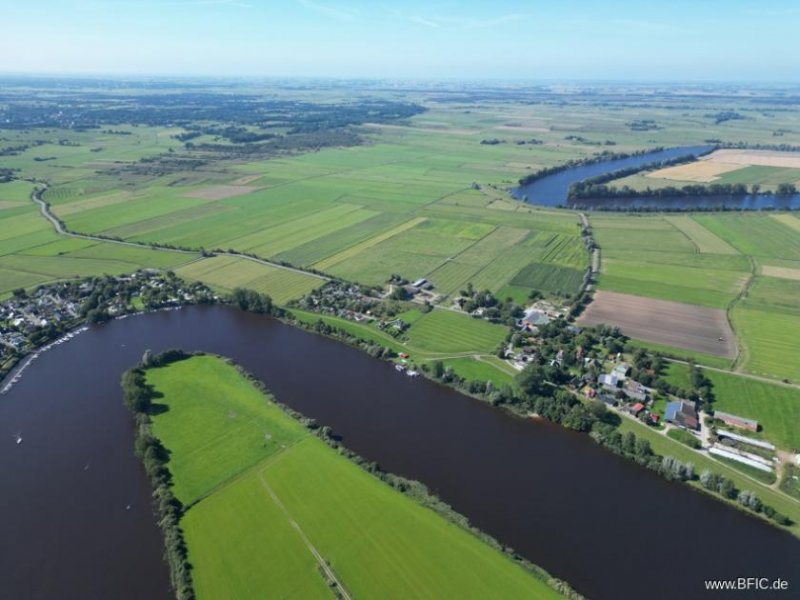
x,y
28,320
22,316
616,388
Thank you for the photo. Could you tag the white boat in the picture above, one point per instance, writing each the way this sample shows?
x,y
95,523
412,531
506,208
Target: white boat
x,y
19,439
399,368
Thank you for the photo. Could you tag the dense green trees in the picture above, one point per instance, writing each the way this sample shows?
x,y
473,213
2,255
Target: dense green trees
x,y
252,301
138,397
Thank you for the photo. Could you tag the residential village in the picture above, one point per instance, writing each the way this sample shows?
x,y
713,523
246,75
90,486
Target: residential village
x,y
608,380
722,435
29,320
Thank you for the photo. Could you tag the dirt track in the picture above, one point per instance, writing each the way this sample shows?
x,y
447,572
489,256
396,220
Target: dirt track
x,y
673,324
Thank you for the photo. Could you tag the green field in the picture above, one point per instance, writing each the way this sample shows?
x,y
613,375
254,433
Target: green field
x,y
487,368
776,407
446,331
757,235
669,257
268,501
404,203
768,178
713,260
768,321
422,197
228,272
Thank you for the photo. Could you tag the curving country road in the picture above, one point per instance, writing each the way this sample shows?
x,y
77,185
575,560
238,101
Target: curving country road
x,y
44,208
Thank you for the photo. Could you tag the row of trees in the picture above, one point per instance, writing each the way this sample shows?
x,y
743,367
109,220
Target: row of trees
x,y
588,190
604,156
138,396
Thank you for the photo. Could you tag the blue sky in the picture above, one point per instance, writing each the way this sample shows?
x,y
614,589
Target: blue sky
x,y
554,39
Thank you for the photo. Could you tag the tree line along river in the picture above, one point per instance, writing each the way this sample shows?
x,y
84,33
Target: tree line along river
x,y
75,514
553,189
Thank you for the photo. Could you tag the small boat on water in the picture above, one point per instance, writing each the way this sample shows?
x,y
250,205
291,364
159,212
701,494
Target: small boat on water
x,y
399,368
19,439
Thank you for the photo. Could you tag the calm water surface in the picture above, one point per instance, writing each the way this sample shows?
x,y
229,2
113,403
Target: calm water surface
x,y
553,190
75,518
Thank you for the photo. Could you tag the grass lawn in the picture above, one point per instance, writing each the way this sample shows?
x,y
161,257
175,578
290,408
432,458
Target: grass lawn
x,y
482,369
215,424
776,407
447,331
763,476
771,340
228,272
684,437
244,538
360,330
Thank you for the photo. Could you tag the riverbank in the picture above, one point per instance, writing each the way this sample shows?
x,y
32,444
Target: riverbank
x,y
248,481
511,400
518,480
593,185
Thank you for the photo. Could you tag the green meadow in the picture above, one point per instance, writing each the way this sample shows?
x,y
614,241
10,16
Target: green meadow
x,y
713,260
31,253
264,491
226,273
776,407
448,331
419,198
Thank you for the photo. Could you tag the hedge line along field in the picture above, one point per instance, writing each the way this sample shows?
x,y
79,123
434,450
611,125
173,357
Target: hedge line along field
x,y
776,407
272,479
228,272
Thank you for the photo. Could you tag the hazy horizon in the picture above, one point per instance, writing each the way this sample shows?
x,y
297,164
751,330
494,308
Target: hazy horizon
x,y
510,40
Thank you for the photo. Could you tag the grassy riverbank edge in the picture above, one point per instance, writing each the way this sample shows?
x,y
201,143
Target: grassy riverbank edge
x,y
169,510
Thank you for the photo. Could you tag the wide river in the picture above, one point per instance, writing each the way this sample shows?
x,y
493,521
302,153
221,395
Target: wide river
x,y
553,190
75,516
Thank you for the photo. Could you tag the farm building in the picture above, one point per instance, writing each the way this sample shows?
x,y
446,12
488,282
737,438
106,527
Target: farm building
x,y
682,413
422,284
736,421
729,435
535,317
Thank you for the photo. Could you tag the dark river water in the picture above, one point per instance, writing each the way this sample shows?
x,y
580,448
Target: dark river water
x,y
75,517
553,190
